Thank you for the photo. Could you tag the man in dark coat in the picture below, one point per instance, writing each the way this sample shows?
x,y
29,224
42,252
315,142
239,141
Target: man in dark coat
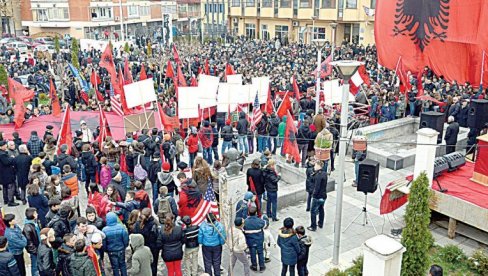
x,y
256,174
463,114
253,230
22,165
8,265
65,159
242,126
274,122
451,136
318,197
7,175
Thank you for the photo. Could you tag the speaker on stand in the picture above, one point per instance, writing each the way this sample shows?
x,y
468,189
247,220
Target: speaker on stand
x,y
477,114
434,120
368,174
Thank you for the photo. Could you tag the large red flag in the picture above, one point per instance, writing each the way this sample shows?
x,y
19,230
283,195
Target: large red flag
x,y
360,77
269,107
20,94
284,107
290,145
142,74
181,77
127,73
56,107
65,135
405,85
229,70
446,35
104,128
176,56
207,68
296,90
123,101
107,62
170,73
95,78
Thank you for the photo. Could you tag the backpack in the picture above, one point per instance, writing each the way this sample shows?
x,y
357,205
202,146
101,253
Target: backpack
x,y
164,207
143,199
180,146
139,172
172,151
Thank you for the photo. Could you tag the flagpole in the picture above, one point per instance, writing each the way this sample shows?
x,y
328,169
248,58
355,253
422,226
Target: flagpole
x,y
482,67
62,124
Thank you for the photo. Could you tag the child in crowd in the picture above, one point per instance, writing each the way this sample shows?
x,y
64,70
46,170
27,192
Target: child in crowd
x,y
305,243
269,240
127,206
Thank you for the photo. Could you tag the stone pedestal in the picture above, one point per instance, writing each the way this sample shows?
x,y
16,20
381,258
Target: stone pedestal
x,y
231,190
382,256
425,154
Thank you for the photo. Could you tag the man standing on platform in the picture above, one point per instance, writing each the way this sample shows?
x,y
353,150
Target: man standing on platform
x,y
451,137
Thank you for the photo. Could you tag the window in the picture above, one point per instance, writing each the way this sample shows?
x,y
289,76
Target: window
x,y
251,31
328,4
373,4
250,3
58,14
319,33
281,31
351,4
264,32
133,11
40,15
305,3
235,29
101,13
267,4
144,11
236,3
285,4
222,7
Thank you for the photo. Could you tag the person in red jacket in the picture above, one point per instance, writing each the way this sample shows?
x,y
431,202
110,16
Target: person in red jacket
x,y
192,143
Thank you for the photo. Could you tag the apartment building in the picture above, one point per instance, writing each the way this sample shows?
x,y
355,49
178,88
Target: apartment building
x,y
304,20
94,18
215,15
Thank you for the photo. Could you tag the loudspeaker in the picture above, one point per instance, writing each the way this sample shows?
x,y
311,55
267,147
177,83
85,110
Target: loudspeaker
x,y
478,114
434,120
369,170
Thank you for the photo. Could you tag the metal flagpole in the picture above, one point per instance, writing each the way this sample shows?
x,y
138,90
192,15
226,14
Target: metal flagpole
x,y
482,67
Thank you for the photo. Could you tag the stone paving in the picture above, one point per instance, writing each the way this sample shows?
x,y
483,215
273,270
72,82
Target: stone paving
x,y
351,240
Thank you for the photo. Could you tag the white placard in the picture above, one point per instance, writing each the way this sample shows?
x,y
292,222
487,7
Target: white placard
x,y
139,93
188,102
333,92
261,84
227,96
237,79
208,86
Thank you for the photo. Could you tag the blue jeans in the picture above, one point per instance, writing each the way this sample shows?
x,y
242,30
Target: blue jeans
x,y
155,191
192,159
117,261
280,144
275,144
259,250
272,204
243,146
262,141
356,170
34,271
215,153
225,146
207,155
317,209
412,108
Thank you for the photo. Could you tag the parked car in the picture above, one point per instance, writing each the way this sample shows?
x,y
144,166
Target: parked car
x,y
44,40
12,46
6,40
45,48
28,40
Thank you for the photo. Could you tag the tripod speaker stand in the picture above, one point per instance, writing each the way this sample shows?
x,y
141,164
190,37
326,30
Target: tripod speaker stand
x,y
365,214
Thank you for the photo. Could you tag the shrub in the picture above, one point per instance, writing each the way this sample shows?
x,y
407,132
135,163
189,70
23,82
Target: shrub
x,y
416,234
56,44
452,254
357,267
75,48
3,76
335,272
479,262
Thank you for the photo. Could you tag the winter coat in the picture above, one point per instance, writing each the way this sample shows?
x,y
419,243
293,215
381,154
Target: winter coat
x,y
452,132
209,236
64,257
61,227
172,204
32,234
270,180
8,265
166,179
262,126
227,133
171,244
64,159
150,232
22,165
192,143
303,135
257,178
16,240
463,117
320,185
71,181
191,236
88,160
39,202
290,247
141,257
242,209
309,183
305,243
242,124
105,176
81,265
35,145
7,168
215,142
45,259
282,128
239,244
253,229
274,123
117,238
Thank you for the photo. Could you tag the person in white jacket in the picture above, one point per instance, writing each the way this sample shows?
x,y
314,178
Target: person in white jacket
x,y
239,246
269,241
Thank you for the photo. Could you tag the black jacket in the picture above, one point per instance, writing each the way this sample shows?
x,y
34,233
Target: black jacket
x,y
64,159
463,117
242,124
191,236
452,132
215,142
320,185
98,223
227,133
88,160
61,227
257,178
270,180
8,265
32,237
274,122
45,260
303,135
22,165
150,233
309,183
7,168
171,244
64,256
262,126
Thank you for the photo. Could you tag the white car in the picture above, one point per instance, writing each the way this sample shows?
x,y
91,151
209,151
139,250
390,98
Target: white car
x,y
12,46
45,48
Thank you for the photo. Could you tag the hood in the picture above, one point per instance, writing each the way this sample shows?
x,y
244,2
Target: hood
x,y
285,233
81,260
62,156
306,240
136,241
284,119
63,213
273,115
242,115
111,219
34,138
165,178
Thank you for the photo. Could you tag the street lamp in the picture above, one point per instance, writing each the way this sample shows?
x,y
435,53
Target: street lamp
x,y
346,69
319,43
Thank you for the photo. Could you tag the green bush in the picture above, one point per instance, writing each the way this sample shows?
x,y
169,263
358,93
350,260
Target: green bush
x,y
452,254
126,47
479,262
335,272
75,48
357,267
56,44
3,76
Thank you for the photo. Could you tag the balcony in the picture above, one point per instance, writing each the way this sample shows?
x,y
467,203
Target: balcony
x,y
186,14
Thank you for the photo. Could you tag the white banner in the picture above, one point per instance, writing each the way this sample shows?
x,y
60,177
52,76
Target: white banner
x,y
167,28
261,84
237,79
139,93
188,102
208,87
333,92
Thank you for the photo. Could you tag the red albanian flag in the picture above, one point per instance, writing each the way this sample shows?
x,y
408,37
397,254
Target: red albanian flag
x,y
56,107
170,73
284,107
143,75
290,145
21,95
65,134
107,62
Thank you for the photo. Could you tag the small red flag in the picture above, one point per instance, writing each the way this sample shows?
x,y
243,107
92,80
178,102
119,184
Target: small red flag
x,y
207,68
20,94
269,108
193,81
95,79
181,78
127,73
65,135
295,88
284,107
290,145
143,75
170,73
104,130
56,107
123,102
176,56
229,70
107,62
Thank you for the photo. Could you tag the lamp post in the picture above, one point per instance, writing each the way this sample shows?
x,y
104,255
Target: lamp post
x,y
319,43
346,69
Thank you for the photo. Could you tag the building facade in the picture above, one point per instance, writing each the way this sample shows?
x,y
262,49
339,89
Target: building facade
x,y
10,17
304,20
94,19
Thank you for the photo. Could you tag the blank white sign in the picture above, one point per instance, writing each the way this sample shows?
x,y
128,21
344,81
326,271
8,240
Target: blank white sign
x,y
139,93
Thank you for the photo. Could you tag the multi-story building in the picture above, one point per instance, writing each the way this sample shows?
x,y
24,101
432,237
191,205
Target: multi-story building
x,y
304,20
10,17
215,17
93,18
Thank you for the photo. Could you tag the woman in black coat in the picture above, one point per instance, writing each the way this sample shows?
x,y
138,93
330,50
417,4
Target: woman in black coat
x,y
171,240
38,201
148,228
22,165
45,257
271,179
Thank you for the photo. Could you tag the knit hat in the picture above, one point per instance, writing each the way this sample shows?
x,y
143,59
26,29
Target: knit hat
x,y
36,161
44,232
96,238
248,195
166,167
288,223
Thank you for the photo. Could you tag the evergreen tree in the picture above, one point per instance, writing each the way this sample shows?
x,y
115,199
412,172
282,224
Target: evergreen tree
x,y
111,45
126,47
56,44
75,48
149,49
416,236
3,76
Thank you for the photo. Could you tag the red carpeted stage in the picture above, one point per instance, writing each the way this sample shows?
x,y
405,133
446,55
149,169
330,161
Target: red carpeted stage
x,y
458,184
